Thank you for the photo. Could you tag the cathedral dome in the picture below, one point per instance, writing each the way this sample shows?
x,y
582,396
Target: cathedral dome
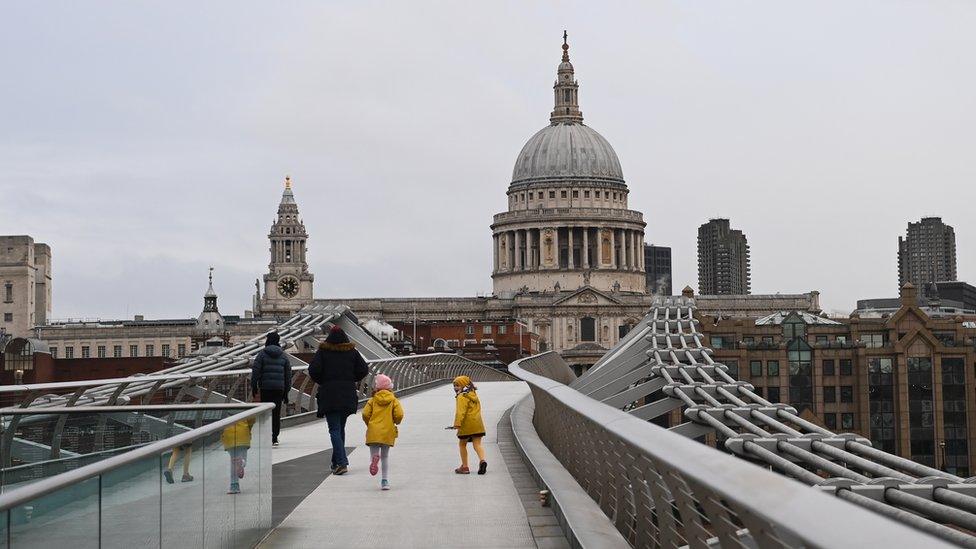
x,y
567,151
567,148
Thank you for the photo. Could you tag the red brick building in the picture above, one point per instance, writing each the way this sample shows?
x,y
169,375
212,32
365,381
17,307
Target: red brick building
x,y
906,380
507,340
29,361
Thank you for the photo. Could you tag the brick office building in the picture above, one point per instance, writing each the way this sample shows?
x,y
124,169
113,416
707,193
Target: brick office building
x,y
504,339
905,380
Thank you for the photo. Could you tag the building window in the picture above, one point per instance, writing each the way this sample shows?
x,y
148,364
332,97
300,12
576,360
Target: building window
x,y
166,350
846,367
794,328
921,410
841,339
821,339
772,368
758,391
718,341
552,194
955,458
69,352
749,340
846,394
85,351
830,420
486,329
733,366
181,350
767,340
772,394
562,194
101,351
586,194
873,341
133,350
882,403
575,194
587,329
847,421
8,317
755,368
830,394
502,329
8,292
54,352
469,329
596,194
828,367
150,350
117,351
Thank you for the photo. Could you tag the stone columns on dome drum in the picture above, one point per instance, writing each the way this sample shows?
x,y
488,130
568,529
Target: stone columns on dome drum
x,y
494,259
518,250
613,249
569,247
586,247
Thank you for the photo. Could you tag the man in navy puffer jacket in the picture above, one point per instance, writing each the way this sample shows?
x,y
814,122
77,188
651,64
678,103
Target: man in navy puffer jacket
x,y
271,373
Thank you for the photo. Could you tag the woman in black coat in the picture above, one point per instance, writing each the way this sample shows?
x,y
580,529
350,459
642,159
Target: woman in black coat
x,y
338,368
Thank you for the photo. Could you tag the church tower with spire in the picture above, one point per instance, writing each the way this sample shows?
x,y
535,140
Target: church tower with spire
x,y
210,323
288,284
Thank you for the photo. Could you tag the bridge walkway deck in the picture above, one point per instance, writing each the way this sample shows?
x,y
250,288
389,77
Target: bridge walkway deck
x,y
428,506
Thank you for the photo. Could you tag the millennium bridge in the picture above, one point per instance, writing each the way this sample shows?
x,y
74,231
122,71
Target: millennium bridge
x,y
573,462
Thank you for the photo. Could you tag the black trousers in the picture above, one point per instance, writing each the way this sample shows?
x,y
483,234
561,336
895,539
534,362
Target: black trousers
x,y
275,396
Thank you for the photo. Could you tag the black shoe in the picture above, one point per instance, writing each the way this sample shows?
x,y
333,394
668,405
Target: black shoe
x,y
340,470
482,467
274,442
169,476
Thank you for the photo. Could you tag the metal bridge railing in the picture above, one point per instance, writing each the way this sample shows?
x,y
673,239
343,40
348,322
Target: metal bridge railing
x,y
117,498
214,387
662,489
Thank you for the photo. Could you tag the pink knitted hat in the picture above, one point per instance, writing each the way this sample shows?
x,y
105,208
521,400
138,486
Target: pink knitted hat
x,y
383,382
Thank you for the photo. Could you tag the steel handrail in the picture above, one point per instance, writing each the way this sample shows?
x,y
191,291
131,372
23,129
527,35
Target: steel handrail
x,y
18,496
760,498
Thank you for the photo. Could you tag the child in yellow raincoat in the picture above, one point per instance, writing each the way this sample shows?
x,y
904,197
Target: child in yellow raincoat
x,y
236,440
382,414
468,423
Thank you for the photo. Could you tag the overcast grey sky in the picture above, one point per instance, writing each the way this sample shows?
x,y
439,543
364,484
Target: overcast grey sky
x,y
146,141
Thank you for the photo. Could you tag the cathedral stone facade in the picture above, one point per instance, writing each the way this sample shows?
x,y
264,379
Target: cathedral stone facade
x,y
568,253
567,224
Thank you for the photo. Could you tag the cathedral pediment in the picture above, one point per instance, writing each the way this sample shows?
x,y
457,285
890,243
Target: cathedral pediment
x,y
587,295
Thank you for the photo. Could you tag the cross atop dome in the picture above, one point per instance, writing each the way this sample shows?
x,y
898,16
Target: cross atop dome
x,y
566,89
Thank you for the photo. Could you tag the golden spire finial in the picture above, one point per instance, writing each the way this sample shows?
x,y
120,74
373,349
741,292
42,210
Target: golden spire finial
x,y
287,181
565,45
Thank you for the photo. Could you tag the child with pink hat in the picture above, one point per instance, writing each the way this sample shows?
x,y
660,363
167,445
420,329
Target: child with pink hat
x,y
382,414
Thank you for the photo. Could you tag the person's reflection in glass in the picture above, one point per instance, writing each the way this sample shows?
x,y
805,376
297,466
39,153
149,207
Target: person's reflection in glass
x,y
237,440
186,451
